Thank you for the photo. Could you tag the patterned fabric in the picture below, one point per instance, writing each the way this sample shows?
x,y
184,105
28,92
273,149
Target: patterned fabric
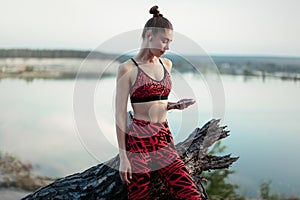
x,y
147,89
150,146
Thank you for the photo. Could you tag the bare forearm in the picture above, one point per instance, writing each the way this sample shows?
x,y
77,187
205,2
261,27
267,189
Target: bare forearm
x,y
122,144
121,134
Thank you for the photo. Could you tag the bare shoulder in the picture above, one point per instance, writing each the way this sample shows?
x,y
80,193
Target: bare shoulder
x,y
125,67
168,63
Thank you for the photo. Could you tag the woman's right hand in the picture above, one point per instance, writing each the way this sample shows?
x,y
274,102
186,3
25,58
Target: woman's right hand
x,y
125,170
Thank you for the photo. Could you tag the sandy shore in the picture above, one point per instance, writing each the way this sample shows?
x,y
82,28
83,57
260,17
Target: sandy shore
x,y
12,193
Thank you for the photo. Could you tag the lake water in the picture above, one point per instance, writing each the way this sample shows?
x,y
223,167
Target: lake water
x,y
37,124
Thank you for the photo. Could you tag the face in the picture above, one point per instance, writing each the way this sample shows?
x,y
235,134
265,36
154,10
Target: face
x,y
159,43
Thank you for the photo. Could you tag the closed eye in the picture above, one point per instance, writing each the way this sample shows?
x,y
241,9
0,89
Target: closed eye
x,y
166,40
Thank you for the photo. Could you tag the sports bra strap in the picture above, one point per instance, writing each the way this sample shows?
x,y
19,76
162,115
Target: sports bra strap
x,y
134,62
138,65
161,62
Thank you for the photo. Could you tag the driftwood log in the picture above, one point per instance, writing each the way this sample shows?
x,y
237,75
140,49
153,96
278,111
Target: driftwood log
x,y
103,181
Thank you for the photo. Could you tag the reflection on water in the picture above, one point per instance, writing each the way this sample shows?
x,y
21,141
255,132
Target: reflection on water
x,y
37,125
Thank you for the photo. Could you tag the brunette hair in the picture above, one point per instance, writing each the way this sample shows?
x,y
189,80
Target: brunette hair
x,y
156,22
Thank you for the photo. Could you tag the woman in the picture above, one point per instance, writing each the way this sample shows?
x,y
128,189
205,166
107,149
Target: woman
x,y
147,144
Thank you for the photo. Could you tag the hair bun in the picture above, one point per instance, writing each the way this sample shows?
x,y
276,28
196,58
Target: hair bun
x,y
155,12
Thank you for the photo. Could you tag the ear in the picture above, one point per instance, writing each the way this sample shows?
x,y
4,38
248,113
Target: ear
x,y
149,35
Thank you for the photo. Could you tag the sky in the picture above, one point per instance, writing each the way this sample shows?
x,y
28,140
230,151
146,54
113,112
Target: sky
x,y
220,27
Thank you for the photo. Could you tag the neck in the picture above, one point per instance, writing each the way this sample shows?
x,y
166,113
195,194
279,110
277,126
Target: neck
x,y
145,55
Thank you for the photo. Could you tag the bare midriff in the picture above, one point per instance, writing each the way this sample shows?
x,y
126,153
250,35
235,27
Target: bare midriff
x,y
154,111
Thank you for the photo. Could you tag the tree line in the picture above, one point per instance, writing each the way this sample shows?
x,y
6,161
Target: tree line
x,y
47,53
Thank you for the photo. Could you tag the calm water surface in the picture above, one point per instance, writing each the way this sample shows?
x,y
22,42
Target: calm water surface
x,y
37,125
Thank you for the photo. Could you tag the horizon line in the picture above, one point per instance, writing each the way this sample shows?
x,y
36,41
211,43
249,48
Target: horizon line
x,y
187,54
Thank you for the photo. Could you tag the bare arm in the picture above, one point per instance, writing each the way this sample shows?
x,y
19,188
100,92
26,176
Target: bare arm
x,y
122,92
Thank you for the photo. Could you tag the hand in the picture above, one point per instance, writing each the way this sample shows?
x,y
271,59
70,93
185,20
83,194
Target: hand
x,y
184,103
125,170
181,104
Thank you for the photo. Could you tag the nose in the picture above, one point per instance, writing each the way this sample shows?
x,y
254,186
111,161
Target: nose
x,y
167,47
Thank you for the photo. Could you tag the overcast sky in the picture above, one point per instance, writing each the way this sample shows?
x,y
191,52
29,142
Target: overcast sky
x,y
243,27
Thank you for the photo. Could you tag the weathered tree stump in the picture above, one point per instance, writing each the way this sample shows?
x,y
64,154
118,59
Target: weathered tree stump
x,y
103,181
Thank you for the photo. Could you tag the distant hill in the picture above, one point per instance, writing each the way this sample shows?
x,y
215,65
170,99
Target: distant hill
x,y
44,53
240,64
256,63
226,64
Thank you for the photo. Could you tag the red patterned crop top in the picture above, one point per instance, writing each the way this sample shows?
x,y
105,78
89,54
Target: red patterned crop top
x,y
147,89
